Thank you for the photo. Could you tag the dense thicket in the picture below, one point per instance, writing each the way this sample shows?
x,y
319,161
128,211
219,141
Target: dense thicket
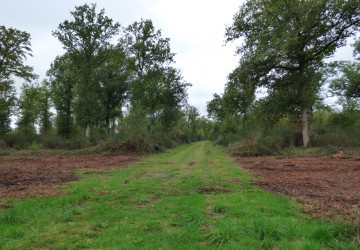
x,y
124,95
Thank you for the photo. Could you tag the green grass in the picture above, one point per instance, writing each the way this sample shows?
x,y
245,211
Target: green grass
x,y
192,197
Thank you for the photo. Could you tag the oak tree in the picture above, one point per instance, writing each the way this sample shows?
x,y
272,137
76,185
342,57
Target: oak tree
x,y
15,47
83,38
287,42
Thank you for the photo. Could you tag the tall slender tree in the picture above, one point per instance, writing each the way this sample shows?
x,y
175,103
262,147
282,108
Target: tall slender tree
x,y
7,105
62,83
114,77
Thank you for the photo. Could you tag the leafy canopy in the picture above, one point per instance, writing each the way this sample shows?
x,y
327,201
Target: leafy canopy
x,y
15,46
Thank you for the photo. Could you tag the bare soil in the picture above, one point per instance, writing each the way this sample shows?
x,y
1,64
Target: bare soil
x,y
24,176
329,186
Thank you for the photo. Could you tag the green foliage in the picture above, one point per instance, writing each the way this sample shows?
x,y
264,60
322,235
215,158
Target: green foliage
x,y
19,140
347,83
285,44
62,89
7,105
340,131
141,135
159,87
84,38
135,130
34,109
269,143
14,48
114,77
56,142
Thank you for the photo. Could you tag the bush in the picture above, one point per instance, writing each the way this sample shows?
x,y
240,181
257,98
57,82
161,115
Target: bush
x,y
336,136
271,142
56,142
244,147
19,141
227,139
3,144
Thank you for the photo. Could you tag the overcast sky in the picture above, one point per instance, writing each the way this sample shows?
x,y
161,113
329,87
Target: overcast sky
x,y
195,27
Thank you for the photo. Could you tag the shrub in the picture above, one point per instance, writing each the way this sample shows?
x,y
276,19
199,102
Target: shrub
x,y
56,142
19,141
3,144
268,142
336,136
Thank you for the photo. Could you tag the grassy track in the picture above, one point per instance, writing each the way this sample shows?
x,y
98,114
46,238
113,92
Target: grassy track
x,y
193,197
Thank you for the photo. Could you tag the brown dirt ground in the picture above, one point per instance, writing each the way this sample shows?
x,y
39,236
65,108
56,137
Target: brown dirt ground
x,y
329,186
24,176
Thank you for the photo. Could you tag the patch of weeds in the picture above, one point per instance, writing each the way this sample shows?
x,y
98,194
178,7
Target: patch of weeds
x,y
140,199
337,244
152,226
268,244
327,233
223,235
99,226
193,218
212,190
267,230
66,213
311,245
219,209
16,233
10,217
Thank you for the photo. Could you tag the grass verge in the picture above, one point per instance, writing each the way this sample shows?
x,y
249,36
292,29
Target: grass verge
x,y
192,197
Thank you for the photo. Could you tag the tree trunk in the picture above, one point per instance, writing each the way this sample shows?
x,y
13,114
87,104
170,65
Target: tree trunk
x,y
305,127
87,133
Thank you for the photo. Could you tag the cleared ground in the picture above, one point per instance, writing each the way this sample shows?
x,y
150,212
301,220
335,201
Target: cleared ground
x,y
329,186
23,176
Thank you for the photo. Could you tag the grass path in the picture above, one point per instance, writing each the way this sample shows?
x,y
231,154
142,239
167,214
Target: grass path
x,y
192,197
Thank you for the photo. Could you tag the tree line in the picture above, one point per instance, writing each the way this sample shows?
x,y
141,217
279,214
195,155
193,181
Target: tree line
x,y
131,91
274,98
98,87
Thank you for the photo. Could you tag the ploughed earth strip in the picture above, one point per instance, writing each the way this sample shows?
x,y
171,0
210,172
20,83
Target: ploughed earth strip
x,y
24,176
329,186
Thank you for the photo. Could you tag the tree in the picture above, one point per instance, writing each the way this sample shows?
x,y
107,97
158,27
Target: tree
x,y
62,82
84,38
285,43
347,84
7,105
34,109
159,87
172,96
44,106
114,77
28,109
215,108
14,48
149,53
192,115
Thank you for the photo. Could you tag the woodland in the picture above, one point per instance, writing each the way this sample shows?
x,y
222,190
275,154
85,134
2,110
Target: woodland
x,y
130,95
